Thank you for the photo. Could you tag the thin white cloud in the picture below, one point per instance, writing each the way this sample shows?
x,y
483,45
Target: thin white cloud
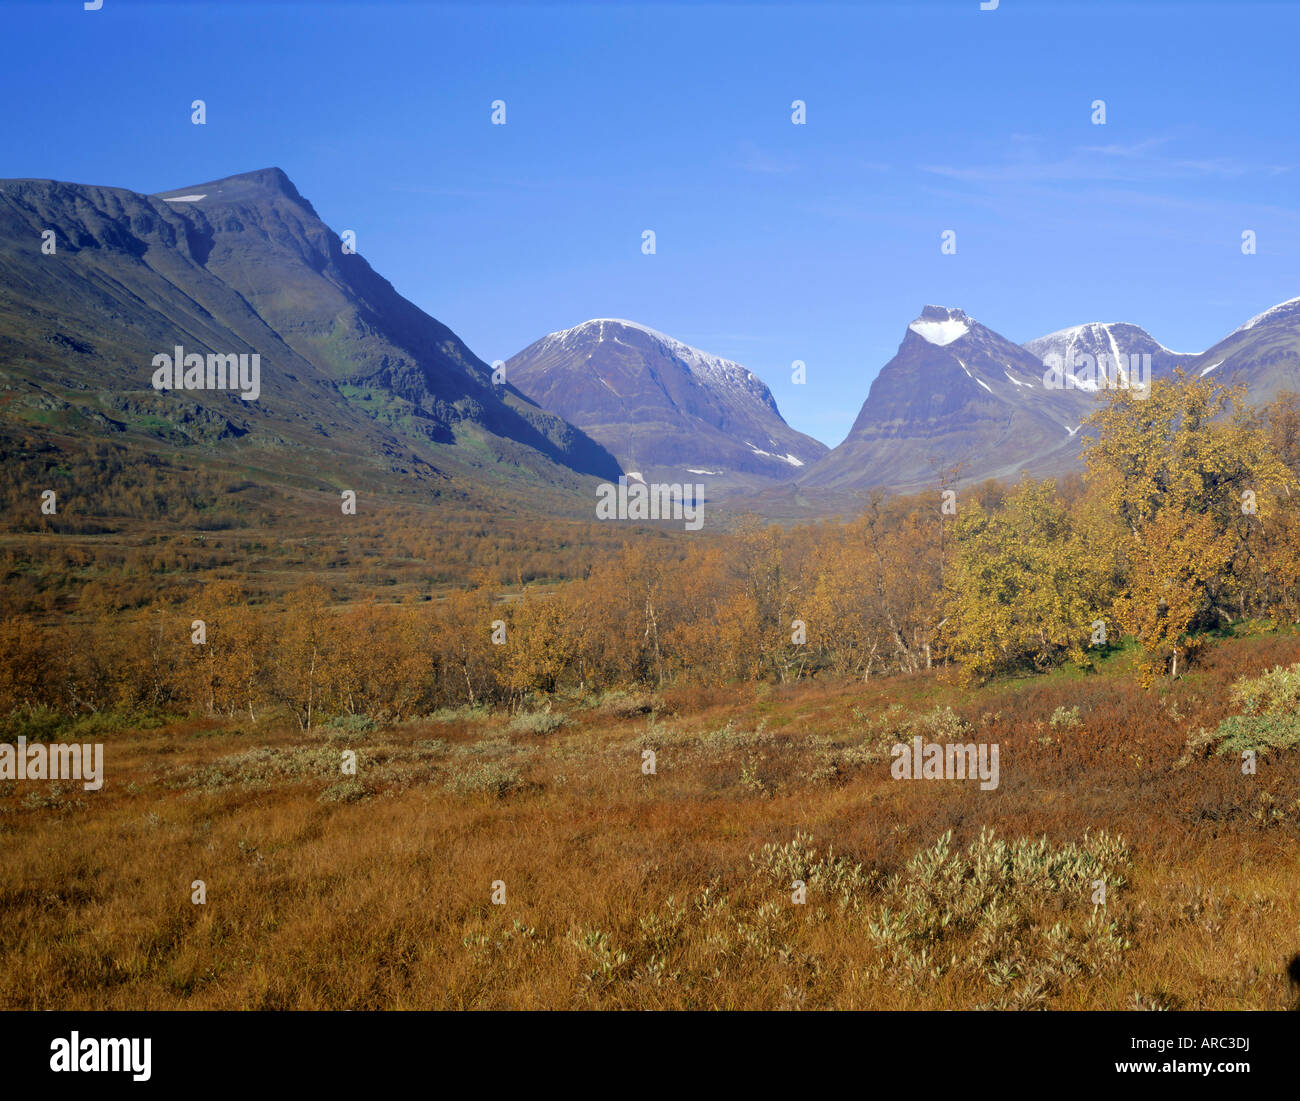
x,y
1135,162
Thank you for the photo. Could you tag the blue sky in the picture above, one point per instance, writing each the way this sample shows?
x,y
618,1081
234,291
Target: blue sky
x,y
775,242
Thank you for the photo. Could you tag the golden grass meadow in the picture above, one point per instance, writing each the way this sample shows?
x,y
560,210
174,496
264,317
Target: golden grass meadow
x,y
617,888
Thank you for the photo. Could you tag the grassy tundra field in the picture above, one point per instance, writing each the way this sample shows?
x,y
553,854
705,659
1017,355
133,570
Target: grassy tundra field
x,y
617,888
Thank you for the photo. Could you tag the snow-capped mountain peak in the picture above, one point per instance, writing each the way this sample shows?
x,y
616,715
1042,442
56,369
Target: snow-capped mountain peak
x,y
1112,344
1099,337
955,392
663,407
710,369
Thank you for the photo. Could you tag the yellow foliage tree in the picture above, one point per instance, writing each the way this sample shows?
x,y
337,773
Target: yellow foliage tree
x,y
1023,589
1190,474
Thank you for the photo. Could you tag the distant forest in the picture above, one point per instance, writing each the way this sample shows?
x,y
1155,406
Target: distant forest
x,y
1185,520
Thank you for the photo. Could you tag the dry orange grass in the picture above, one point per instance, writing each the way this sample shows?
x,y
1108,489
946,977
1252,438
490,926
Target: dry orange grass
x,y
631,891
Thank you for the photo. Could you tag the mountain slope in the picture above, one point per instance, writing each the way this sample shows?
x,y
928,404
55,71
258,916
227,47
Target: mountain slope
x,y
666,410
1263,354
955,393
350,371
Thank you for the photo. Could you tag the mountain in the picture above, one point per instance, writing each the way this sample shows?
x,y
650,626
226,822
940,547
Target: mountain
x,y
956,392
357,382
1263,354
667,411
352,374
1085,346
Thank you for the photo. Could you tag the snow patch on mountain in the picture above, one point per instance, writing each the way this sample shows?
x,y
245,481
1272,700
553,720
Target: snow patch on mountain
x,y
791,459
1272,311
940,332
